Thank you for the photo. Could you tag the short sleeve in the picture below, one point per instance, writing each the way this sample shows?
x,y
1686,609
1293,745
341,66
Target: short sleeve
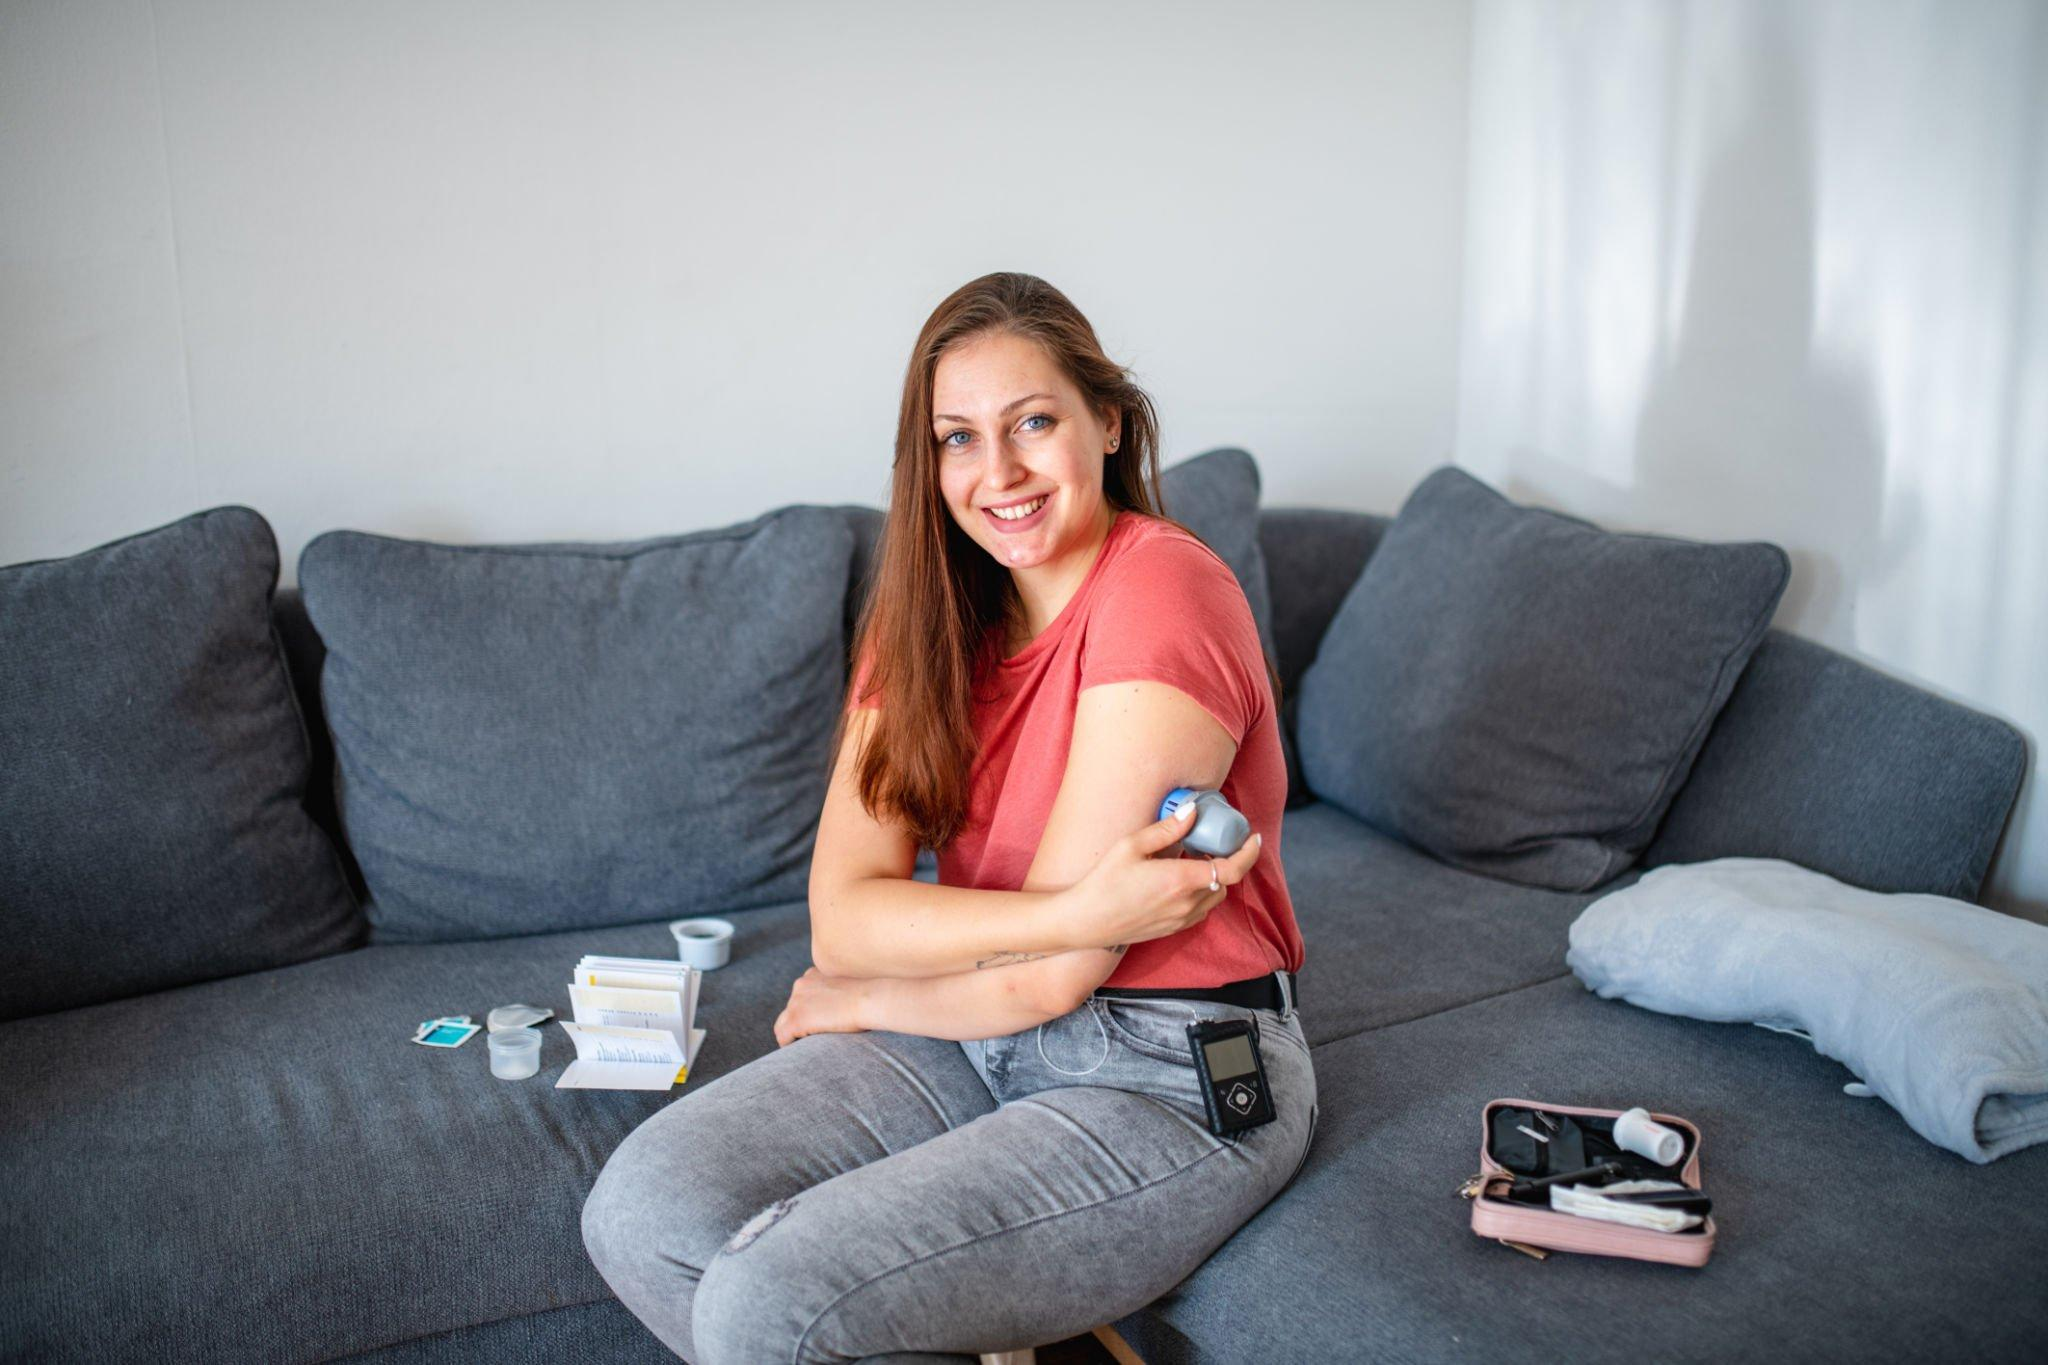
x,y
1172,612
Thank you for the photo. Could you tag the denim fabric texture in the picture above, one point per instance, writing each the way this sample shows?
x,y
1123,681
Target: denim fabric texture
x,y
869,1194
152,768
536,737
1521,693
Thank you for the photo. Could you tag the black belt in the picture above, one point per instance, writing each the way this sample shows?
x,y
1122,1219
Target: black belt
x,y
1254,992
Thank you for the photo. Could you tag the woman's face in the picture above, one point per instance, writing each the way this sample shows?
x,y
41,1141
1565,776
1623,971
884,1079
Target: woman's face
x,y
1012,430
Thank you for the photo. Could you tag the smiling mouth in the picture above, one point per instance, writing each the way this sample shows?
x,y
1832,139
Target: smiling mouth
x,y
1021,511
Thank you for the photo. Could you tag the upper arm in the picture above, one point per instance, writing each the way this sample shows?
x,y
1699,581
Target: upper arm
x,y
1133,742
852,844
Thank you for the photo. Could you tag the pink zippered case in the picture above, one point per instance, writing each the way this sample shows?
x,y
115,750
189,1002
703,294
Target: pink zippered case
x,y
1526,1225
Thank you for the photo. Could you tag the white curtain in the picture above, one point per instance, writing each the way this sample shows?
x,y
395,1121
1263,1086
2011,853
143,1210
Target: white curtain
x,y
1779,271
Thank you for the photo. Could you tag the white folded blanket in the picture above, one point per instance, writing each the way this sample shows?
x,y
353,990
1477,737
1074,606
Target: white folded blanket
x,y
1940,1006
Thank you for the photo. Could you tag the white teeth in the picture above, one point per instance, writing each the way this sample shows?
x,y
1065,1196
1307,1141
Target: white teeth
x,y
1016,513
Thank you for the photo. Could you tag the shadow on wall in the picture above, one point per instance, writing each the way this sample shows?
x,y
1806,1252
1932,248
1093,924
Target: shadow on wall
x,y
1752,426
1747,432
1747,414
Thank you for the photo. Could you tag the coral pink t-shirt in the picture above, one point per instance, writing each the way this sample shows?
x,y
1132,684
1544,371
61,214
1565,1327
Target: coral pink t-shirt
x,y
1157,605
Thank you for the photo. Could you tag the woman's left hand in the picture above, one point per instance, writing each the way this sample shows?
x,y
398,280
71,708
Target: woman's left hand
x,y
819,1004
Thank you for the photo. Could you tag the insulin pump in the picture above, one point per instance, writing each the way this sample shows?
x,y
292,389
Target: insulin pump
x,y
1234,1088
1226,1051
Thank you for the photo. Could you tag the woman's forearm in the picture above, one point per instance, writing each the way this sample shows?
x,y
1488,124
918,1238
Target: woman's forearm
x,y
984,1004
896,927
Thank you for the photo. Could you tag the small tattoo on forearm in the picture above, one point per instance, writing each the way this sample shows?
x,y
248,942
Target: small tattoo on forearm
x,y
1118,948
1006,958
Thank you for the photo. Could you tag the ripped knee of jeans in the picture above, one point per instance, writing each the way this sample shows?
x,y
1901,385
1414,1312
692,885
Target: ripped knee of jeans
x,y
759,1224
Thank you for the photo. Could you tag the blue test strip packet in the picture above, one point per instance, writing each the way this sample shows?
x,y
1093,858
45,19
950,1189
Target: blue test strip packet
x,y
447,1034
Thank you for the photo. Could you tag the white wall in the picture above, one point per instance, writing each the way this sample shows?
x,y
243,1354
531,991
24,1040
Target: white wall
x,y
490,271
1756,270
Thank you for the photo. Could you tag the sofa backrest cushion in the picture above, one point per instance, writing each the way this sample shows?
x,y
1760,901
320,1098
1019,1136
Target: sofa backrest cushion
x,y
1817,757
304,654
564,735
1313,556
152,765
1824,761
1216,495
1521,693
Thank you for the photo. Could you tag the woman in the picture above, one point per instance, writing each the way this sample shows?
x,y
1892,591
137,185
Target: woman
x,y
983,1128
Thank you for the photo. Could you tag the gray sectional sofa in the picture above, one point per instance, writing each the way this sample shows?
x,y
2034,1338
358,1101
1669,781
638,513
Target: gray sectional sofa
x,y
260,1167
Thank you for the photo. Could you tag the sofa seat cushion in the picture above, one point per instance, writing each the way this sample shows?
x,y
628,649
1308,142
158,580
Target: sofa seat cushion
x,y
537,737
1392,933
265,1168
1842,1235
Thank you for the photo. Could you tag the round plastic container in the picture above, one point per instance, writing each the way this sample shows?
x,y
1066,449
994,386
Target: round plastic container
x,y
515,1053
705,944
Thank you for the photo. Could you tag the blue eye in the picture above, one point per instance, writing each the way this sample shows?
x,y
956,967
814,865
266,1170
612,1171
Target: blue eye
x,y
948,443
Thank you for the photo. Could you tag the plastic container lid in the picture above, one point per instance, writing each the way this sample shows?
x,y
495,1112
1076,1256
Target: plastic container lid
x,y
517,1016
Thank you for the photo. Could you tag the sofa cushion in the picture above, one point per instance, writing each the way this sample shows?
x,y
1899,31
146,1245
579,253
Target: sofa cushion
x,y
1799,731
603,1329
1522,693
152,766
1313,556
156,1154
536,737
1841,1235
1216,495
1940,1006
1393,934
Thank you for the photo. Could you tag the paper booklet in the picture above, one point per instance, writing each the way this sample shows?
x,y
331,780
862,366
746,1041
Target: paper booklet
x,y
634,1026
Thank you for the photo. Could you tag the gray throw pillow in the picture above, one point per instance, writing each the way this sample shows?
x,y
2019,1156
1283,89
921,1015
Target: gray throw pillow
x,y
1521,693
558,736
152,766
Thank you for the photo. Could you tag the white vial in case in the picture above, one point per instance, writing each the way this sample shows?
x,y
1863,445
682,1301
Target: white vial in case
x,y
1635,1131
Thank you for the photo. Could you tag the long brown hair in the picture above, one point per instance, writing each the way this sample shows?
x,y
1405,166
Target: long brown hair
x,y
937,598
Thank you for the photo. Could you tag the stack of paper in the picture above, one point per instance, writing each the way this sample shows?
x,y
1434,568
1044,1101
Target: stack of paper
x,y
633,1028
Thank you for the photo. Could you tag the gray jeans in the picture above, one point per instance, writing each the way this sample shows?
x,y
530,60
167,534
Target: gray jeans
x,y
860,1196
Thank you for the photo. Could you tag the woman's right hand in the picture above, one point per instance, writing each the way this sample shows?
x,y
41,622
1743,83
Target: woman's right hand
x,y
1133,894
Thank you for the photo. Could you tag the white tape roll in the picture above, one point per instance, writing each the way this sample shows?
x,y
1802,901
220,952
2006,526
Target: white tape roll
x,y
1635,1131
703,943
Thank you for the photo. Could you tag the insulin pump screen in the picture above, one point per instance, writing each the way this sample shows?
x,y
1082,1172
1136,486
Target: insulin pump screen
x,y
1229,1057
